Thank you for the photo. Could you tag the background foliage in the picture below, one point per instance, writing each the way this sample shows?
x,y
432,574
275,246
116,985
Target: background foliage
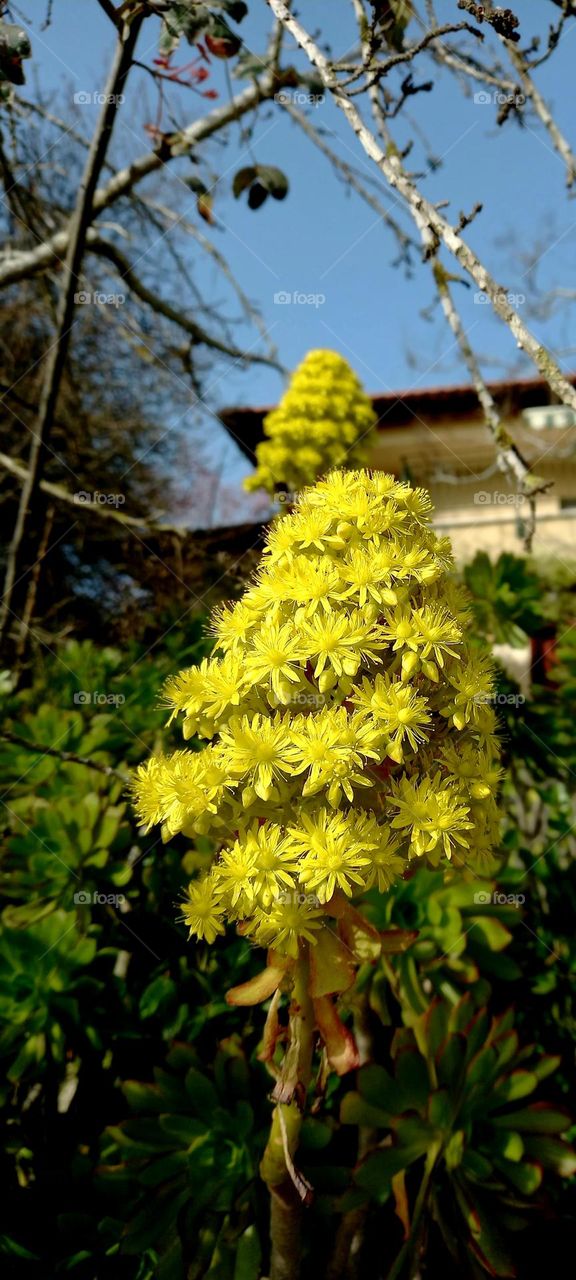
x,y
135,1109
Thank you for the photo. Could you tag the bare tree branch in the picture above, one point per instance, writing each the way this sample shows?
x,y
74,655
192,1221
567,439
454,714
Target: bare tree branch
x,y
466,66
68,757
105,249
353,181
56,358
399,180
540,106
18,266
161,216
61,494
375,71
509,458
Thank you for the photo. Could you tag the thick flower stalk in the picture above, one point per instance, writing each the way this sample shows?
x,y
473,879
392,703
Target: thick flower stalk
x,y
350,736
324,420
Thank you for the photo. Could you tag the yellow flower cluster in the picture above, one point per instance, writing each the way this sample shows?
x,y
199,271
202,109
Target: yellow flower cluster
x,y
324,420
350,723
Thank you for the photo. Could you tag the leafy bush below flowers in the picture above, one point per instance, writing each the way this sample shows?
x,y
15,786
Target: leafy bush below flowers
x,y
134,1104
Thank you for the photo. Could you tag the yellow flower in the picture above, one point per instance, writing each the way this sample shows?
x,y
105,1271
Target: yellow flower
x,y
276,864
369,575
433,812
399,709
205,693
385,862
273,657
232,625
351,719
258,747
177,791
471,692
330,858
289,922
323,420
202,910
236,871
341,640
332,747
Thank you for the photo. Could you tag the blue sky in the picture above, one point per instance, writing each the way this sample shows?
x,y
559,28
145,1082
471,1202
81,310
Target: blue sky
x,y
323,240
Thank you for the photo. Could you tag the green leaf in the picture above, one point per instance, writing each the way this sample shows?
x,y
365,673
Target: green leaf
x,y
201,1093
160,991
490,931
248,1255
508,1144
315,1135
355,1110
541,1117
377,1170
525,1177
379,1089
142,1097
243,179
273,180
517,1085
261,181
412,1077
553,1154
10,1248
546,1066
450,1061
164,1169
440,1109
476,1166
185,1128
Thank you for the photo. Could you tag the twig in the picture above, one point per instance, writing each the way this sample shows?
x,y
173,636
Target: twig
x,y
560,143
34,578
56,358
353,181
18,266
509,458
376,71
398,179
102,512
199,335
462,63
152,208
68,757
110,11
